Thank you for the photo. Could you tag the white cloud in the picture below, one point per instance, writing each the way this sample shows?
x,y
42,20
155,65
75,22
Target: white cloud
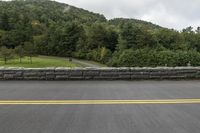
x,y
176,14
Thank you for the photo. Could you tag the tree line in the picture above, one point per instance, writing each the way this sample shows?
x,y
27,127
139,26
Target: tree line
x,y
18,52
51,28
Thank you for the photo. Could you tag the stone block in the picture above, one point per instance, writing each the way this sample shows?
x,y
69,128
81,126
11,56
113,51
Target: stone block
x,y
61,77
74,73
8,76
91,73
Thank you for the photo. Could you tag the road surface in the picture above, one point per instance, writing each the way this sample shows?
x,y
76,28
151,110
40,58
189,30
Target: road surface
x,y
94,107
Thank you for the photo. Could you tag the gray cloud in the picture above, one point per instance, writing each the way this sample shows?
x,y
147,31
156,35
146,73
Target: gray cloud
x,y
176,14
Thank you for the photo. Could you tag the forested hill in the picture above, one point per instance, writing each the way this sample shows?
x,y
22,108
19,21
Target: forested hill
x,y
48,11
52,28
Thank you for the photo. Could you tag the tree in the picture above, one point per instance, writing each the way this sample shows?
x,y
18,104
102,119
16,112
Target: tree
x,y
2,33
19,50
198,30
97,36
6,54
81,46
188,29
101,35
29,50
112,39
4,23
192,40
41,44
127,36
145,38
7,40
170,39
68,39
105,55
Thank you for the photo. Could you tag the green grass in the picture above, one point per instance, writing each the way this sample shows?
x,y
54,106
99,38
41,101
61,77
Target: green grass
x,y
39,62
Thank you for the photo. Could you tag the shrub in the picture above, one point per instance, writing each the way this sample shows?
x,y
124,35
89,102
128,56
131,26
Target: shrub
x,y
153,58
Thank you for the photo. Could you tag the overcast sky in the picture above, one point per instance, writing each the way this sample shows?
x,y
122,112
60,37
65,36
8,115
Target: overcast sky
x,y
176,14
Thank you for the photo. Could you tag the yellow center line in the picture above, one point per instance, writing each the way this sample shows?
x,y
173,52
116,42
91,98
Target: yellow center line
x,y
93,102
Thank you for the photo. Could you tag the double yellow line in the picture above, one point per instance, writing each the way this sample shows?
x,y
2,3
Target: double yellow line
x,y
98,102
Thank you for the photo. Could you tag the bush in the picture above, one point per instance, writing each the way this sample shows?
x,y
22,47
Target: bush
x,y
102,55
153,58
133,58
165,58
105,55
194,58
80,55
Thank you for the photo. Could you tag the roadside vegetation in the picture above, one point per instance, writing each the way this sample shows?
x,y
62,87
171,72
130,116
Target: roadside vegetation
x,y
42,27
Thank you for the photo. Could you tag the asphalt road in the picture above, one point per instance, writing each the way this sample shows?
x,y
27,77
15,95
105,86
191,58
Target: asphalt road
x,y
95,118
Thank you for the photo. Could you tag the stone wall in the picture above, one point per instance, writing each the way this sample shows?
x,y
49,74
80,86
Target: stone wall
x,y
99,73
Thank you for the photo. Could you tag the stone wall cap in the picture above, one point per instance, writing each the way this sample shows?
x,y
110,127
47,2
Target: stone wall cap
x,y
98,68
11,68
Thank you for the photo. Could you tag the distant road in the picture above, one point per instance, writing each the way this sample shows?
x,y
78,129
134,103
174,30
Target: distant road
x,y
85,63
36,106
